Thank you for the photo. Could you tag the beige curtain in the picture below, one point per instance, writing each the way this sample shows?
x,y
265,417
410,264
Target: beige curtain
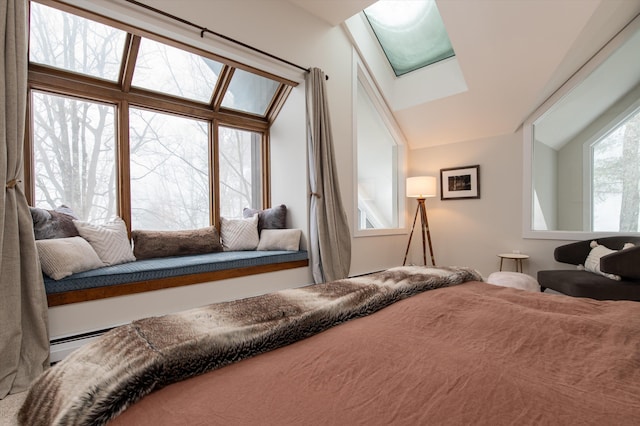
x,y
329,237
24,341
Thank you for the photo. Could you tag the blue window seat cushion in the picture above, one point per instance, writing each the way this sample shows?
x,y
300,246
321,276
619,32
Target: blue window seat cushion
x,y
167,267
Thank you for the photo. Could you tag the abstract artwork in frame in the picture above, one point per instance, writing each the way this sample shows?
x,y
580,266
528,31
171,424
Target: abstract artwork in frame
x,y
460,182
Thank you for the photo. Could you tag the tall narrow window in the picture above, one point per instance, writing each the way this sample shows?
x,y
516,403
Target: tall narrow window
x,y
616,178
169,169
74,155
377,167
240,171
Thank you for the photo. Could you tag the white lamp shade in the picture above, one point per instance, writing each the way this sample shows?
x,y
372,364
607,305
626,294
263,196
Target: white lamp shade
x,y
421,186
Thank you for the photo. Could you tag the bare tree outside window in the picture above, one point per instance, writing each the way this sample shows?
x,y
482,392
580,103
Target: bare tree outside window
x,y
166,69
239,171
169,171
76,143
616,178
71,43
74,151
73,139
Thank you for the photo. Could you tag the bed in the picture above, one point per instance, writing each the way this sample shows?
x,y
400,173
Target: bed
x,y
405,346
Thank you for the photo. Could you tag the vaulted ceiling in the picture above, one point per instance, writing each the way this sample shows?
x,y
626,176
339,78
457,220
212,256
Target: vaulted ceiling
x,y
512,54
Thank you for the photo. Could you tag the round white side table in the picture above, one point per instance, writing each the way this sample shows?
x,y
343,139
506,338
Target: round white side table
x,y
517,257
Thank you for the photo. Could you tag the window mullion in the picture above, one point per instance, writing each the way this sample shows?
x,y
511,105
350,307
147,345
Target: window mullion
x,y
132,47
29,166
214,174
123,164
264,178
221,87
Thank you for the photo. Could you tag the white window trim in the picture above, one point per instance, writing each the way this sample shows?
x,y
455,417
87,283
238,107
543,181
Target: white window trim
x,y
587,155
360,73
527,152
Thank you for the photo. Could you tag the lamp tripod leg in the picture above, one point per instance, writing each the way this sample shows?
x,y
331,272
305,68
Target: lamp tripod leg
x,y
423,215
425,227
411,235
426,234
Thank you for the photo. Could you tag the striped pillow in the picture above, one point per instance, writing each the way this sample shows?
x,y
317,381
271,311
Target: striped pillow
x,y
239,234
110,241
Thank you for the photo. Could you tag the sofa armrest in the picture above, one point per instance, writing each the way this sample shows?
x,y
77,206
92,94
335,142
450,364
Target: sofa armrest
x,y
573,253
625,263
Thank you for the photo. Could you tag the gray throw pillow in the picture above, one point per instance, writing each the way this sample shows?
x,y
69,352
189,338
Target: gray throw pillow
x,y
56,223
273,218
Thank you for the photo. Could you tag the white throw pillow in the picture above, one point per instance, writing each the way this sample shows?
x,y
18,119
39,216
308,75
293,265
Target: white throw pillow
x,y
280,239
61,257
239,234
110,241
592,263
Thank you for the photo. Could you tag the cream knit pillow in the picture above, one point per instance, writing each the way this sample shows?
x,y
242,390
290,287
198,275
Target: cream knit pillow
x,y
61,257
280,239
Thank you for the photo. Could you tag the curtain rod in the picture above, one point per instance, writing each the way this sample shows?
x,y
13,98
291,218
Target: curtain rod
x,y
204,30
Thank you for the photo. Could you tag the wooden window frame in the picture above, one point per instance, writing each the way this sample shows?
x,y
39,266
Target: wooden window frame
x,y
123,96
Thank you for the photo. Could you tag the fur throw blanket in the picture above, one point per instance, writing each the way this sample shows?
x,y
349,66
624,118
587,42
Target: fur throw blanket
x,y
101,379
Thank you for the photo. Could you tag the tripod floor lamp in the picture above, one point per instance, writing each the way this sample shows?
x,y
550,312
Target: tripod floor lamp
x,y
421,187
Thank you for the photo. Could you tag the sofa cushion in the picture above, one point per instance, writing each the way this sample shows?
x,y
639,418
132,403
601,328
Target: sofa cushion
x,y
576,253
587,284
169,267
623,263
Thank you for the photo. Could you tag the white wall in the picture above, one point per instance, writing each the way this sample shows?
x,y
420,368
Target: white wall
x,y
570,188
288,158
545,178
472,232
280,29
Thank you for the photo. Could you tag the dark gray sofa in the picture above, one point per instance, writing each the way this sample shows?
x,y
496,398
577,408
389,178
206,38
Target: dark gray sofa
x,y
579,283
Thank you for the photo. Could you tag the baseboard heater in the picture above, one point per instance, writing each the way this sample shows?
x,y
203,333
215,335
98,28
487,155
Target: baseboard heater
x,y
63,346
59,348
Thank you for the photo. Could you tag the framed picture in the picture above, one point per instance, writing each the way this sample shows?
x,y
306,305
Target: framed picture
x,y
460,182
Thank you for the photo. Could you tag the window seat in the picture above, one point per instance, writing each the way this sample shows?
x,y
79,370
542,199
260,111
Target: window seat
x,y
165,272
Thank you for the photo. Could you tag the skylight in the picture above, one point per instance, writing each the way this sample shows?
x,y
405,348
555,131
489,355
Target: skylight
x,y
410,32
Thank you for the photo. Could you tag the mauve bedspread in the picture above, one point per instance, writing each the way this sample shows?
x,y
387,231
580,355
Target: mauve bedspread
x,y
471,354
102,378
